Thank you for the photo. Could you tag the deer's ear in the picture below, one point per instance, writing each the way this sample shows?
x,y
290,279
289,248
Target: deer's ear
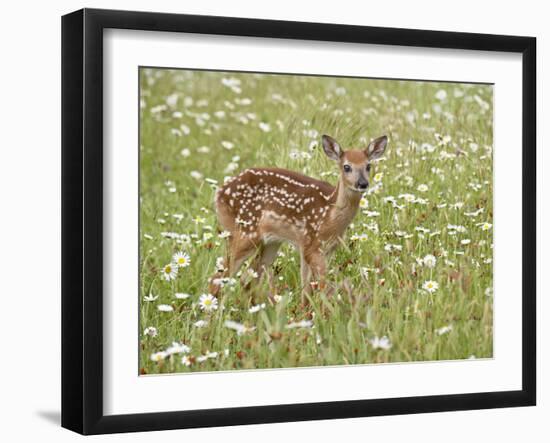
x,y
376,148
332,148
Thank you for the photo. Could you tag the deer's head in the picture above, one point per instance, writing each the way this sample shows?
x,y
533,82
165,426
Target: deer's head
x,y
355,164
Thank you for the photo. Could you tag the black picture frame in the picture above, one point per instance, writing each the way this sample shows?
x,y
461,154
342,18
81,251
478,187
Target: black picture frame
x,y
82,220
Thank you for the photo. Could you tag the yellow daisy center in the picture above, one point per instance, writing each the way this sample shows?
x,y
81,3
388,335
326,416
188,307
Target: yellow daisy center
x,y
168,269
207,302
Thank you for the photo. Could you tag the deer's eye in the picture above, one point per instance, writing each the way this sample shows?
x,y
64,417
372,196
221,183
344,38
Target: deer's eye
x,y
347,168
368,167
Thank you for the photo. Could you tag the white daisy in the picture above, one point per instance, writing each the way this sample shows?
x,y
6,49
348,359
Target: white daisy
x,y
196,175
227,145
178,348
256,308
444,330
265,127
363,203
251,273
150,297
181,259
430,286
380,343
300,324
169,271
200,324
165,308
441,94
239,327
159,356
181,295
208,303
429,261
422,188
486,226
151,331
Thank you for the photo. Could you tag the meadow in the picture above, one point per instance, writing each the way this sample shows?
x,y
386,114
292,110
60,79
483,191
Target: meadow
x,y
413,278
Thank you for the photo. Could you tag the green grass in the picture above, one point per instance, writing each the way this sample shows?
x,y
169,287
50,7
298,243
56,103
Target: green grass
x,y
443,143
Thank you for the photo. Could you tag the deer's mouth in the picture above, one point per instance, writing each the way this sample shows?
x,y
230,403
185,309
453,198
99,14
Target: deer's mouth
x,y
354,189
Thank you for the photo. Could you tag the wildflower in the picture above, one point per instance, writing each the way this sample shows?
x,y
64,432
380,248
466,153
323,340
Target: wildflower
x,y
251,273
169,272
185,152
151,331
181,295
165,308
159,356
233,84
231,167
390,247
429,261
466,241
441,95
208,302
256,308
265,127
196,175
378,177
409,198
203,358
300,324
181,259
362,237
200,324
430,286
444,330
380,343
224,234
422,188
486,226
363,203
227,145
150,297
186,361
238,327
178,348
224,281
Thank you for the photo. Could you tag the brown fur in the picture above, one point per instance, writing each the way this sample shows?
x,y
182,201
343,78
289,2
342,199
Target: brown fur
x,y
263,207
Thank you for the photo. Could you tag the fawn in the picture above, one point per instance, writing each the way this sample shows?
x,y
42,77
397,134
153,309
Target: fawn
x,y
263,207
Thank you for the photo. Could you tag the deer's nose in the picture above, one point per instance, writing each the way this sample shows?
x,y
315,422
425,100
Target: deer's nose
x,y
362,184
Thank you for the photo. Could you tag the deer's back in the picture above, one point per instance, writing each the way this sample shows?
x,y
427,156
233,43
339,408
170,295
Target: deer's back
x,y
260,198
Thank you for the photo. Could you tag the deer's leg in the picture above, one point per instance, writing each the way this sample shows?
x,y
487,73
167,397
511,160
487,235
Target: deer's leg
x,y
265,258
305,273
241,249
238,250
316,262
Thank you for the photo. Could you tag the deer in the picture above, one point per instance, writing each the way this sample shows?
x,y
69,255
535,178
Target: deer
x,y
263,207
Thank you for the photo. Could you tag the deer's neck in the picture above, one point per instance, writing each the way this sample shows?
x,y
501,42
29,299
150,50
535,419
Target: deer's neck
x,y
344,208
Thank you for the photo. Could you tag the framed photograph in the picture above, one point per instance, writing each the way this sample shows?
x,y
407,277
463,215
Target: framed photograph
x,y
270,221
